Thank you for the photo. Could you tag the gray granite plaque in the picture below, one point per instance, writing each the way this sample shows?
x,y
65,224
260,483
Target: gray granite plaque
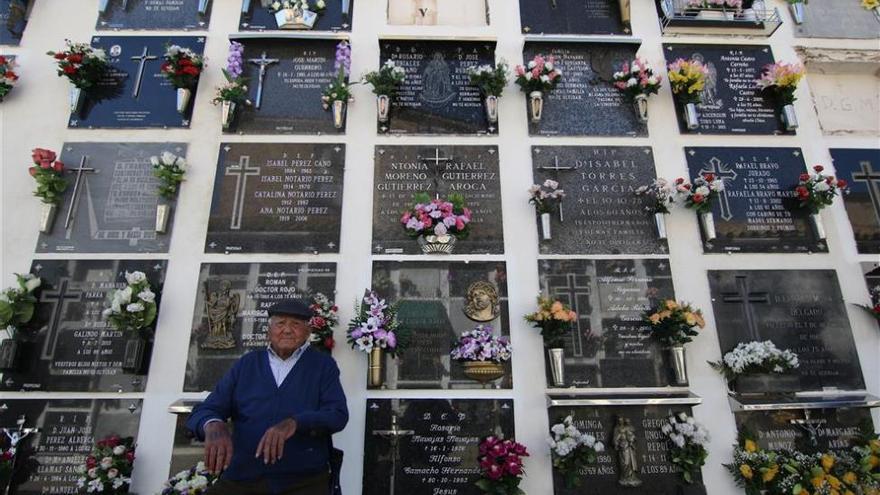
x,y
837,19
230,317
800,310
572,17
806,430
277,198
155,15
600,213
70,347
434,300
861,169
402,171
113,207
585,103
68,430
609,346
13,19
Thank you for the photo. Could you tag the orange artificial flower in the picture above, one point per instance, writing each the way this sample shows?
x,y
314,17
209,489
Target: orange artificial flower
x,y
751,446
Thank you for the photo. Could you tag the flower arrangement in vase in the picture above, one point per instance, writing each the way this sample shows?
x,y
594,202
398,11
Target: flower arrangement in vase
x,y
324,317
7,464
873,308
554,319
193,481
700,196
537,77
182,67
661,194
547,199
48,172
687,441
16,310
815,191
338,94
748,365
779,80
872,6
296,14
437,223
385,83
235,91
490,81
687,78
8,77
133,309
571,451
482,353
375,330
169,169
108,468
83,66
796,7
501,466
674,325
637,80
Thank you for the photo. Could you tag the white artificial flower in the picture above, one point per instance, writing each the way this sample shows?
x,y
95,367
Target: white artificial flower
x,y
119,450
528,76
198,482
106,462
135,277
599,447
96,486
168,157
545,78
147,296
558,428
31,282
320,4
134,308
181,485
548,66
93,472
154,161
631,82
115,307
112,472
531,64
703,190
821,186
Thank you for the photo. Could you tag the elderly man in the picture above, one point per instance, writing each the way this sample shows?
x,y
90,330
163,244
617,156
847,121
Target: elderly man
x,y
284,402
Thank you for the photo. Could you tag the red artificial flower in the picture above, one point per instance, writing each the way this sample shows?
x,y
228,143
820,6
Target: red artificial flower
x,y
318,322
40,155
164,67
58,167
804,177
69,69
494,472
329,343
129,455
818,168
829,179
709,177
841,184
802,192
112,441
191,70
75,58
6,456
11,75
60,56
2,60
877,308
32,171
183,62
334,308
91,462
698,198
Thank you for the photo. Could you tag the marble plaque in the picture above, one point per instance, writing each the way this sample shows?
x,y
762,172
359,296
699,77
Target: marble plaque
x,y
435,300
758,210
155,15
68,430
600,213
806,430
71,348
337,16
731,102
609,346
297,73
861,169
659,476
134,94
585,103
436,97
847,103
113,210
851,21
573,17
438,12
800,310
402,171
230,317
13,19
277,198
429,445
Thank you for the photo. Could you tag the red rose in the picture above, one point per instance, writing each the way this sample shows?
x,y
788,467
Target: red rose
x,y
60,56
129,456
58,167
329,343
6,456
11,75
698,198
112,441
191,70
184,62
802,192
42,155
709,177
818,168
75,58
334,308
841,184
164,67
829,179
877,308
318,322
91,462
32,171
69,69
679,180
804,177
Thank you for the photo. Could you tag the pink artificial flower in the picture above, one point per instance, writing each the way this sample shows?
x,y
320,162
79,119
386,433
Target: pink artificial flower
x,y
520,70
494,472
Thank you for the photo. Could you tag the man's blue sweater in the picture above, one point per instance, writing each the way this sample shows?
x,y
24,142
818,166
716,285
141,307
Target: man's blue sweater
x,y
311,394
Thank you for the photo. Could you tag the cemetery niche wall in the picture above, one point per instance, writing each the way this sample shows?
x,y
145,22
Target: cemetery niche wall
x,y
861,169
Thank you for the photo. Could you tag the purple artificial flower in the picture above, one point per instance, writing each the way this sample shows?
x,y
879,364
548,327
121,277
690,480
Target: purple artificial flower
x,y
343,57
234,62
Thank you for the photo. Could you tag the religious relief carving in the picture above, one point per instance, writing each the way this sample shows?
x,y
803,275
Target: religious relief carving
x,y
625,444
438,88
221,307
482,302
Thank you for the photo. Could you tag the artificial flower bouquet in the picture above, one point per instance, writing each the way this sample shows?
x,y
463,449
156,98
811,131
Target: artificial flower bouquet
x,y
481,344
554,319
539,74
488,79
673,323
182,67
338,93
81,64
715,4
235,89
571,450
324,317
874,308
756,357
701,194
546,197
17,303
687,78
781,79
636,78
8,77
387,79
375,326
439,217
872,5
661,194
816,190
193,481
687,444
169,169
108,468
6,465
501,466
48,172
134,307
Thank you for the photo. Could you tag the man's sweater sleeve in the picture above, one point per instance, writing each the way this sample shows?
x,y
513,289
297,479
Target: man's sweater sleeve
x,y
218,405
332,413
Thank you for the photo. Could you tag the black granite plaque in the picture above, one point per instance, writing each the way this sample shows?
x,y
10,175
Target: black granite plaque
x,y
230,314
429,445
402,171
277,198
337,16
72,348
861,169
433,298
114,208
155,15
609,346
118,101
13,19
600,213
812,430
297,72
68,430
731,102
758,210
800,310
585,103
659,476
436,97
572,17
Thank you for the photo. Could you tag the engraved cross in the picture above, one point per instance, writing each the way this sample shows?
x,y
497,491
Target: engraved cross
x,y
241,173
744,296
872,179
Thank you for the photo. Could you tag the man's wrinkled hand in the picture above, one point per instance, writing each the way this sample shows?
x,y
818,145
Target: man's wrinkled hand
x,y
218,446
271,446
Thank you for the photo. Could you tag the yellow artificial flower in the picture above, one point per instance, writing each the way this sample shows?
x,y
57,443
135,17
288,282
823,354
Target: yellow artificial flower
x,y
671,304
700,321
557,306
850,478
770,473
818,481
873,461
690,319
746,471
827,462
833,481
875,446
665,314
870,4
751,446
655,318
848,492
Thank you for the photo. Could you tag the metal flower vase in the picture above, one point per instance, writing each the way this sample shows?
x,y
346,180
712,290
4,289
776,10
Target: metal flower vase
x,y
163,213
338,114
678,364
818,225
797,12
491,104
183,97
203,7
227,113
707,223
545,226
691,117
641,106
76,98
555,358
536,106
47,217
483,371
383,108
374,375
789,117
437,244
9,352
135,354
660,225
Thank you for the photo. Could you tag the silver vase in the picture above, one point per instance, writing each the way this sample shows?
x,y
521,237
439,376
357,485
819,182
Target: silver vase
x,y
491,104
660,225
76,97
797,12
818,226
545,226
102,6
135,354
707,223
163,213
203,6
691,117
789,118
557,371
47,217
678,364
183,96
383,108
227,113
9,352
536,106
338,114
641,105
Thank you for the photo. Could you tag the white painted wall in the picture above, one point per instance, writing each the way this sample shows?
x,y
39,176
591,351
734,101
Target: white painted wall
x,y
35,115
